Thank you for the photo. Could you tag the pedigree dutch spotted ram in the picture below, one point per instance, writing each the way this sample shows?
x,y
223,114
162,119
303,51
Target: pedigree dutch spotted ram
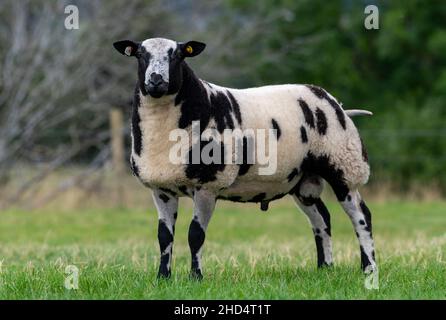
x,y
316,141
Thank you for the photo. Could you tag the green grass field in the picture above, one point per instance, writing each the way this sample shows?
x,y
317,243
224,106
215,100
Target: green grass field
x,y
248,254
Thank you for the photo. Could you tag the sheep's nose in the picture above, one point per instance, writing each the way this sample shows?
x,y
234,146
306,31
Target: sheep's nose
x,y
156,86
156,80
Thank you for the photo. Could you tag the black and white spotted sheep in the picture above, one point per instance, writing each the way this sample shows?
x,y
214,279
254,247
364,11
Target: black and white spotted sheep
x,y
316,141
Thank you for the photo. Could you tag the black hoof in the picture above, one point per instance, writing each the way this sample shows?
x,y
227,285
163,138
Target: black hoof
x,y
324,265
196,275
163,274
369,269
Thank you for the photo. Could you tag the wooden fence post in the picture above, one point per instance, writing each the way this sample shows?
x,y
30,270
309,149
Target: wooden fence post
x,y
118,151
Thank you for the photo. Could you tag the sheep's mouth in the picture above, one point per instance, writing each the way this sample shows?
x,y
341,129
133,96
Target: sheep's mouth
x,y
156,91
156,94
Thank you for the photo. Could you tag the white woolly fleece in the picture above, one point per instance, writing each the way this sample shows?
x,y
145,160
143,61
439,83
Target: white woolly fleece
x,y
257,106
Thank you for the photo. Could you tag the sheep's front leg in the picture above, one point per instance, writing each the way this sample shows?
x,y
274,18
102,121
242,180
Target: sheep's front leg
x,y
204,204
167,206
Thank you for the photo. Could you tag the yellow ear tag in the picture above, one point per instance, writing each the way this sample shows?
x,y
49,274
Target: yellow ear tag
x,y
189,49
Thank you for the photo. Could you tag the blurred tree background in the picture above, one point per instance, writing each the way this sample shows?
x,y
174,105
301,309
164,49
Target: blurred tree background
x,y
57,86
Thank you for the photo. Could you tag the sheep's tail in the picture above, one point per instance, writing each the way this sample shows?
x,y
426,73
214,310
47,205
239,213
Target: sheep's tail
x,y
358,112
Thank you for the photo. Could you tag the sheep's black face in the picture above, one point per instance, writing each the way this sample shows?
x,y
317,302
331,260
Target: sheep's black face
x,y
159,63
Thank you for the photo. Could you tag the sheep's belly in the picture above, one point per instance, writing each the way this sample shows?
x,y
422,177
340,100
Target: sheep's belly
x,y
256,191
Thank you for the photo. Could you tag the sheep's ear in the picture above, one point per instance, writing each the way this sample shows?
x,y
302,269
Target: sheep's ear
x,y
126,47
192,48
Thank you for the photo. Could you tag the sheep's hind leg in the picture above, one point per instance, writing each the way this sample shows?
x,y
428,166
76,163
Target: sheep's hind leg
x,y
361,219
307,197
167,206
204,204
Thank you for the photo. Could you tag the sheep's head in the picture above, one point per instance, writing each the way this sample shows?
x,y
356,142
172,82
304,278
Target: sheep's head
x,y
159,63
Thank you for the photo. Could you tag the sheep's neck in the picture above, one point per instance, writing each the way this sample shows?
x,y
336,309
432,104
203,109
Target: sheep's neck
x,y
157,120
190,86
